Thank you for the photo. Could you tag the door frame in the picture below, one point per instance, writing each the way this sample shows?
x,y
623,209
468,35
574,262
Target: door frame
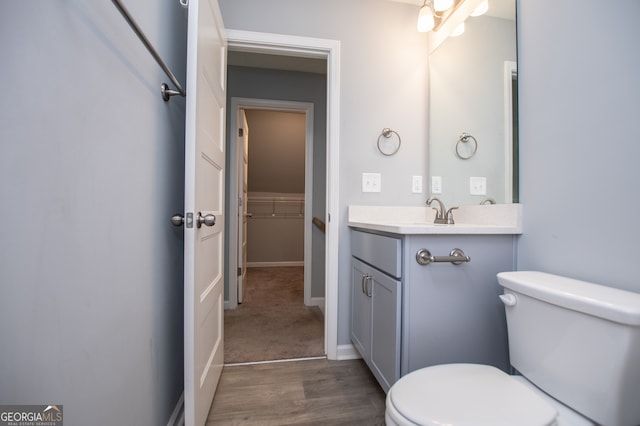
x,y
257,42
238,103
509,74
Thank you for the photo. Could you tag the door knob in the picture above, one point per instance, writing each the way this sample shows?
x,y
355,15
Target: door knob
x,y
177,220
208,220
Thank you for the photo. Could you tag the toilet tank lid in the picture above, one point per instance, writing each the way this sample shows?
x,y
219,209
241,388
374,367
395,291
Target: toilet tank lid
x,y
610,303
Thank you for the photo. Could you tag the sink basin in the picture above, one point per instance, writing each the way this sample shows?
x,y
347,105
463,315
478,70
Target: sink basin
x,y
476,219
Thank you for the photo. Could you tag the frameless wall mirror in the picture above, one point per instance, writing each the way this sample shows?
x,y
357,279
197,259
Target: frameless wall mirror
x,y
473,91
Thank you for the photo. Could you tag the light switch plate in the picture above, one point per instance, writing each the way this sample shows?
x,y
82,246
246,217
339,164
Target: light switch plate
x,y
416,184
478,185
371,182
436,184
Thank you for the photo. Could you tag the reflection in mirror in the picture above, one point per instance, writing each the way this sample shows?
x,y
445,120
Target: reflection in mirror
x,y
473,90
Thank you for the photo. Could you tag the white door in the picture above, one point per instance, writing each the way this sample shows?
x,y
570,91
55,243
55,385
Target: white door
x,y
204,209
243,213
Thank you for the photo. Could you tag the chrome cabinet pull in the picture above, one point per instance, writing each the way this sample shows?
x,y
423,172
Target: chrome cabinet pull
x,y
364,283
456,256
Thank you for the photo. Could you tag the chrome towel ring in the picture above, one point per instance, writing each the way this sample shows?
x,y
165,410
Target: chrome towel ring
x,y
388,146
466,149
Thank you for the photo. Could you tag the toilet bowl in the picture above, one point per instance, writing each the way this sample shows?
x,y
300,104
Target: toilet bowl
x,y
575,346
473,395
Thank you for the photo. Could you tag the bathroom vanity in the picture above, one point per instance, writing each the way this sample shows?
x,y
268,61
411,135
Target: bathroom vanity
x,y
406,314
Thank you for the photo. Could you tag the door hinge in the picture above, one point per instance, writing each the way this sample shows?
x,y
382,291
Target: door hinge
x,y
239,271
241,132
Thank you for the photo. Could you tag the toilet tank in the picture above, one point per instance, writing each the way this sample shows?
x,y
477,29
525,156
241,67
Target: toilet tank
x,y
577,341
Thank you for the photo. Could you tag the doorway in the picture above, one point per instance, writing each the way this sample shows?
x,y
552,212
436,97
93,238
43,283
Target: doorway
x,y
282,189
328,50
271,163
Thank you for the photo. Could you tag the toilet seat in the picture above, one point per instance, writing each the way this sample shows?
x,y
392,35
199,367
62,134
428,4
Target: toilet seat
x,y
465,395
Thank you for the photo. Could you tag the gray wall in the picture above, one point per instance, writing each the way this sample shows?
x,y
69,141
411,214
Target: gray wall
x,y
383,82
275,231
244,82
91,170
276,151
579,111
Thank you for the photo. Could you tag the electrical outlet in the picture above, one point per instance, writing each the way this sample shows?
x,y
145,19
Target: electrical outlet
x,y
416,184
436,184
478,185
371,182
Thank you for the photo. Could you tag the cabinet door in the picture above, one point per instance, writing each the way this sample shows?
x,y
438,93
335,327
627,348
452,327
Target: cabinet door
x,y
360,309
452,313
385,328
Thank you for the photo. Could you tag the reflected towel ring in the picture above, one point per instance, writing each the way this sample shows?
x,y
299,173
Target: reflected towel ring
x,y
464,149
387,146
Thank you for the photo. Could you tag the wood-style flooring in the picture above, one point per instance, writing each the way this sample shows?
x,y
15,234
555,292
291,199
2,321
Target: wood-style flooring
x,y
307,392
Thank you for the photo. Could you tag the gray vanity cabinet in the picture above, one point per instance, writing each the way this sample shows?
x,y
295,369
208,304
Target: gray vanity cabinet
x,y
405,316
375,304
452,313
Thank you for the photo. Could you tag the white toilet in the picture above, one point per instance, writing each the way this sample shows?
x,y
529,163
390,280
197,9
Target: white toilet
x,y
575,346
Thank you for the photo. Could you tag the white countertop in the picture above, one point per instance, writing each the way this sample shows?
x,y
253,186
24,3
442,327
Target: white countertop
x,y
471,219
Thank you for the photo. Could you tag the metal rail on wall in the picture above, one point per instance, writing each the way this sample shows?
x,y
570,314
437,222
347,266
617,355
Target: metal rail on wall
x,y
164,88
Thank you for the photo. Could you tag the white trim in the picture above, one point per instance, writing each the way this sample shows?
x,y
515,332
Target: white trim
x,y
274,264
316,48
510,70
275,361
316,301
177,416
346,352
238,103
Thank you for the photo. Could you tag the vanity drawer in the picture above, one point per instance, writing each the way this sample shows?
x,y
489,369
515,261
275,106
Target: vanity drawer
x,y
380,251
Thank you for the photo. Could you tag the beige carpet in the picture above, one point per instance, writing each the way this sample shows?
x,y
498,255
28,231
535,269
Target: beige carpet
x,y
273,323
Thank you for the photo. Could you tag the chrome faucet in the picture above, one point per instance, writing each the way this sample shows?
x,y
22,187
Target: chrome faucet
x,y
443,216
439,210
449,216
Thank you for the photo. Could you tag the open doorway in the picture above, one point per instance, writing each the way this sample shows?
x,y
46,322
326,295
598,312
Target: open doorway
x,y
329,52
275,318
283,194
277,192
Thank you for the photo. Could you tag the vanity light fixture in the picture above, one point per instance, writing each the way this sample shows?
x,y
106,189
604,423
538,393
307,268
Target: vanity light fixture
x,y
426,18
442,5
434,13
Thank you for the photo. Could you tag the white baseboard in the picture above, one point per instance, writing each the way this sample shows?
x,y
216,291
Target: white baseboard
x,y
177,417
317,301
275,264
345,352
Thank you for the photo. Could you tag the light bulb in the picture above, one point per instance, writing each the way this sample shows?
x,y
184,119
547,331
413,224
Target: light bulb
x,y
481,8
441,5
425,19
